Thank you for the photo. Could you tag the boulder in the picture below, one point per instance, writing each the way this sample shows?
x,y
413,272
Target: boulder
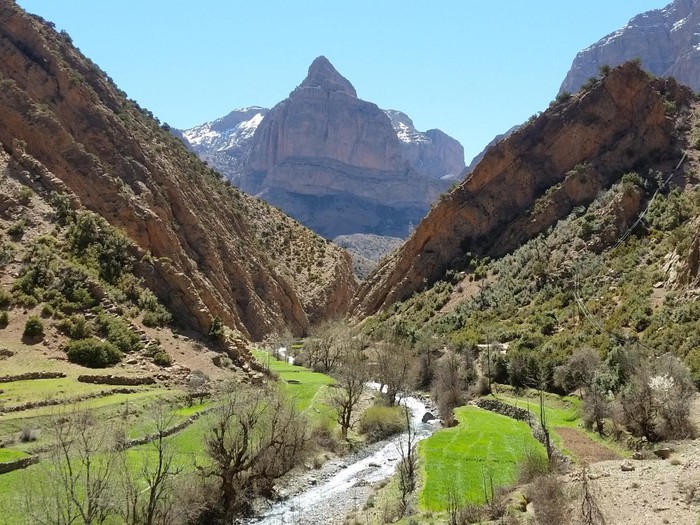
x,y
428,417
626,466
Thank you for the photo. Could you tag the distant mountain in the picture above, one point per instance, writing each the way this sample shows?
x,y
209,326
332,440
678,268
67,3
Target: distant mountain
x,y
366,250
225,143
338,164
667,41
433,152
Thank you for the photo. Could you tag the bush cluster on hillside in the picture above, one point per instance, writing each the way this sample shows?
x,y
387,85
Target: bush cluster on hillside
x,y
93,353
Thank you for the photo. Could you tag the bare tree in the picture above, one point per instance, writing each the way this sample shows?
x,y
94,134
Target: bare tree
x,y
197,387
450,383
79,481
428,349
639,405
580,370
149,497
454,503
408,464
254,437
351,378
538,380
656,400
674,389
326,346
394,365
277,340
583,371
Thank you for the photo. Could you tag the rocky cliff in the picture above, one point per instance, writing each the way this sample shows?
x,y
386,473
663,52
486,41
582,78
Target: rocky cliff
x,y
433,152
667,41
535,177
338,164
199,243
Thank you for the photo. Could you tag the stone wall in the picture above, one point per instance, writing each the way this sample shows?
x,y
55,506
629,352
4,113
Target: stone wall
x,y
17,464
116,380
31,375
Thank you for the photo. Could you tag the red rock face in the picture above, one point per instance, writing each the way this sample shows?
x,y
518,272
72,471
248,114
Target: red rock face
x,y
665,40
618,125
64,120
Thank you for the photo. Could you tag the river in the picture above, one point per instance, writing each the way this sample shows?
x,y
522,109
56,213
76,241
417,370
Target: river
x,y
345,485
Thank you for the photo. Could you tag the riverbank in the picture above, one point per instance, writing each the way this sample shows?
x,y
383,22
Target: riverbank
x,y
342,486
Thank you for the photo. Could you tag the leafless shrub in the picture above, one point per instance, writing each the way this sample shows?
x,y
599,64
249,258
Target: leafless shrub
x,y
253,438
550,502
29,434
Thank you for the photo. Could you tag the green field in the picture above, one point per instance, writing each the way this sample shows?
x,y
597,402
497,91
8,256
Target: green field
x,y
483,444
560,412
307,387
10,455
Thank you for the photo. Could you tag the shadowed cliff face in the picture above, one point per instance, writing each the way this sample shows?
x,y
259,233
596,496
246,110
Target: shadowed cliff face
x,y
63,119
574,149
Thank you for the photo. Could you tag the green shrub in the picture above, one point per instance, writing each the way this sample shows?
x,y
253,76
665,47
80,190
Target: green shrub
x,y
162,358
532,465
17,229
118,332
47,310
216,330
148,301
25,195
95,241
5,298
62,205
76,327
379,422
7,253
158,317
93,353
33,327
4,319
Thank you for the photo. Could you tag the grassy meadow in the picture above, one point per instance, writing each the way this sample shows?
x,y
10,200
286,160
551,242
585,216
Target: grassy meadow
x,y
460,460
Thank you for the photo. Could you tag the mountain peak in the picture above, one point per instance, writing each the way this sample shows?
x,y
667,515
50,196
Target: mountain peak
x,y
323,75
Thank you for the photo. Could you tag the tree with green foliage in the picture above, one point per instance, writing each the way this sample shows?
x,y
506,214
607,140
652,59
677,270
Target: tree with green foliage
x,y
92,353
33,327
216,330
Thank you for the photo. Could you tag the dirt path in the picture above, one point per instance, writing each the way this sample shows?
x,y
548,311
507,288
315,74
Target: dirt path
x,y
583,448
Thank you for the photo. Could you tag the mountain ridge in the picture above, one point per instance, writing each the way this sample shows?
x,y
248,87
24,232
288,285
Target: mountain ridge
x,y
351,145
617,124
195,235
666,41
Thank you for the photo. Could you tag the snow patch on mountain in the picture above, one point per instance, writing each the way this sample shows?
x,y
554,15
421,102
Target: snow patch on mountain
x,y
227,133
405,130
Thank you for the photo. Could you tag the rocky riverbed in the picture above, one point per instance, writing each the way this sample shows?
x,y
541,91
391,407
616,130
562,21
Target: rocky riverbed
x,y
326,495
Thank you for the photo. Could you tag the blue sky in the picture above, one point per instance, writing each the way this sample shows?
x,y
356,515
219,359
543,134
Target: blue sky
x,y
472,68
